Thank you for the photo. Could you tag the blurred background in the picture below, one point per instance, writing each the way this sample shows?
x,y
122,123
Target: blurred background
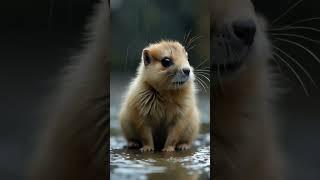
x,y
136,23
38,36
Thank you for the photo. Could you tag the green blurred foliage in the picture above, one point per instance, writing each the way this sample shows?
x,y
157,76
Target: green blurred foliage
x,y
136,23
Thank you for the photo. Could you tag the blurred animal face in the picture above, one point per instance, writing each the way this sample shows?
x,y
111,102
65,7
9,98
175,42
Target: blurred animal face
x,y
167,66
238,37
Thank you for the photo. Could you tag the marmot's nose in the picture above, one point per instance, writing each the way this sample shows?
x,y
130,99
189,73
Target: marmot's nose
x,y
245,30
186,71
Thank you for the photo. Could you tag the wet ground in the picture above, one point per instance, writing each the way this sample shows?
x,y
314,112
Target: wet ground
x,y
132,164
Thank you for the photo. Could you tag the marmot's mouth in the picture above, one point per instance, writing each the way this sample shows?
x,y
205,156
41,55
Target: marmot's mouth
x,y
227,68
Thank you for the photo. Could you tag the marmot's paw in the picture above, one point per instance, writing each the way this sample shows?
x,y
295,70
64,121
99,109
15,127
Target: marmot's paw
x,y
146,149
133,145
183,147
168,149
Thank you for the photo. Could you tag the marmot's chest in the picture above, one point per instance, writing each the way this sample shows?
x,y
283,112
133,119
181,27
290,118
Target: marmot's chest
x,y
156,108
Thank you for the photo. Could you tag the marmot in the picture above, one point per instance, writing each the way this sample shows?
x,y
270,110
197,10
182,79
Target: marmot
x,y
74,144
244,135
160,109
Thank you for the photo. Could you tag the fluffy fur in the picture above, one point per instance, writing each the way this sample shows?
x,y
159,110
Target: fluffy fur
x,y
74,144
156,113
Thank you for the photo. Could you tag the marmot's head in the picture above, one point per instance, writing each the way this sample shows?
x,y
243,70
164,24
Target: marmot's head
x,y
239,40
165,66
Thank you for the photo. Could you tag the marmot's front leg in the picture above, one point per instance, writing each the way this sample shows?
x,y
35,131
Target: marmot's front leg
x,y
174,135
183,132
146,138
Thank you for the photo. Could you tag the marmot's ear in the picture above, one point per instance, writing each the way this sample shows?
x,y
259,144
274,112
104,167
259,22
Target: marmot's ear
x,y
146,57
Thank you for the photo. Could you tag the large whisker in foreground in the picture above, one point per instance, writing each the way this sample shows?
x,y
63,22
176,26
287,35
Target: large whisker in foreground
x,y
291,35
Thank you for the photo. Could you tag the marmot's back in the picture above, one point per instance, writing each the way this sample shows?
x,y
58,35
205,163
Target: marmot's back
x,y
74,144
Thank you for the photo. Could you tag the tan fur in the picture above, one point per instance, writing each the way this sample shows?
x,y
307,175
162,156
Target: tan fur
x,y
155,114
244,135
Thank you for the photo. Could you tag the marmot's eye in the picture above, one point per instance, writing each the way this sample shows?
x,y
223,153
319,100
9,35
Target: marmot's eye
x,y
166,62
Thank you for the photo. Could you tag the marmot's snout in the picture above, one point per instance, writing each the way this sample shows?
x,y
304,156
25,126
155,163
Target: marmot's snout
x,y
181,76
232,44
244,31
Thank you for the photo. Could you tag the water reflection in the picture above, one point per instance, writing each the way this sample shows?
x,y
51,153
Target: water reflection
x,y
184,165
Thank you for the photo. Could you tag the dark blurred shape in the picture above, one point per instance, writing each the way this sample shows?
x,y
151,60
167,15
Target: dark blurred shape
x,y
34,47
